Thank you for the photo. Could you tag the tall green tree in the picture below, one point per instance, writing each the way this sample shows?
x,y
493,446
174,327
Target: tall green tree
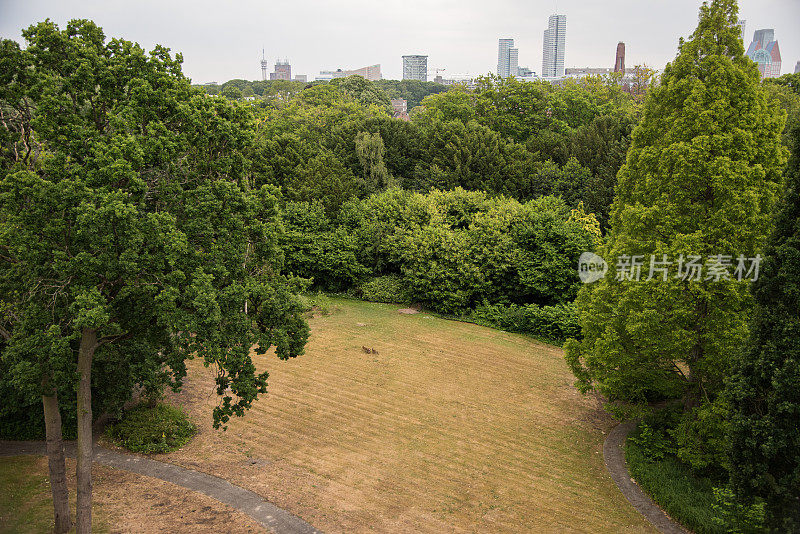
x,y
701,177
130,229
764,390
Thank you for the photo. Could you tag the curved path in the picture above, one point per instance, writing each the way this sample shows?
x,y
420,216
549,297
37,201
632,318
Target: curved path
x,y
264,512
614,455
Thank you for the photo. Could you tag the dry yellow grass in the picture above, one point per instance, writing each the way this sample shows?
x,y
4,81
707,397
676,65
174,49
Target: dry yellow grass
x,y
450,427
123,503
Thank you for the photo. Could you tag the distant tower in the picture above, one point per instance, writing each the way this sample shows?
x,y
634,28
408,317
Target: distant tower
x,y
507,58
264,67
742,23
553,46
764,50
619,64
797,68
415,67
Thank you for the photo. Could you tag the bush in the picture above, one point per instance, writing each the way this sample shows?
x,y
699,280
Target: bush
x,y
687,498
735,516
157,429
550,323
389,288
654,444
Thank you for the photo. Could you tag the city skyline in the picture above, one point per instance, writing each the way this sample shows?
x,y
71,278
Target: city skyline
x,y
222,43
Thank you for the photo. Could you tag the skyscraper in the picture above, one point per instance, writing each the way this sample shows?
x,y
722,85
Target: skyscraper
x,y
553,45
507,58
742,23
619,63
415,68
797,68
764,50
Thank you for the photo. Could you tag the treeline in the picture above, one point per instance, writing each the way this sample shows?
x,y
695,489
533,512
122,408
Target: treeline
x,y
461,253
523,140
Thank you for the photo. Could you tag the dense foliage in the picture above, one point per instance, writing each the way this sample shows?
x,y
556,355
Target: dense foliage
x,y
765,387
152,429
701,177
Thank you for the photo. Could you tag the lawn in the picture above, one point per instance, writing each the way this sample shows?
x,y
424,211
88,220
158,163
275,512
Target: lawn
x,y
123,503
446,427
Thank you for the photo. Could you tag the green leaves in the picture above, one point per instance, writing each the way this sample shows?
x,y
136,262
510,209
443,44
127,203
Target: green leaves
x,y
701,176
130,209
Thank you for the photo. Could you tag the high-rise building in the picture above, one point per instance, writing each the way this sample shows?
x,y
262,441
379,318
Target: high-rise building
x,y
264,67
797,68
507,58
415,68
619,63
283,71
764,50
553,45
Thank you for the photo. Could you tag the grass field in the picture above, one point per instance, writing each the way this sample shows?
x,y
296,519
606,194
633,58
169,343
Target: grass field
x,y
123,503
448,427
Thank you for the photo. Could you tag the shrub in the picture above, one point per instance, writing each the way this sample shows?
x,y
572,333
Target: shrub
x,y
654,444
687,498
736,517
551,323
152,429
389,288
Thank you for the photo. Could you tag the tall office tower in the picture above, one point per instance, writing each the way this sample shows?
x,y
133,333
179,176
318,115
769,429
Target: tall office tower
x,y
264,66
507,58
797,68
742,23
619,63
513,62
415,68
553,45
283,71
764,50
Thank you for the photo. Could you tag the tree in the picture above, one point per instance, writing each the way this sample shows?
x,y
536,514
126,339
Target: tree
x,y
765,387
701,176
370,151
131,230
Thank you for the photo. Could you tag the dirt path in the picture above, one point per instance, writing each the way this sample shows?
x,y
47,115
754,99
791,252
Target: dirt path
x,y
248,502
614,455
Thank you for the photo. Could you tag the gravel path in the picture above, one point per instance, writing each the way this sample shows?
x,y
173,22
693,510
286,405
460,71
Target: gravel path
x,y
614,455
267,514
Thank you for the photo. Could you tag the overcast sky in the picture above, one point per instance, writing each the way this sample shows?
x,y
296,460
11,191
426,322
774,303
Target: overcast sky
x,y
223,40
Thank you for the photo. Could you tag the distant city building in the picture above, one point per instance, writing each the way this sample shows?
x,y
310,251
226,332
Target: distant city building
x,y
399,104
797,68
553,46
371,73
300,78
507,58
742,23
619,63
400,109
415,68
764,50
525,72
264,67
283,71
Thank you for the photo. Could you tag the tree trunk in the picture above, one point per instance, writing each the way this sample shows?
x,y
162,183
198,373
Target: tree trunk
x,y
84,454
55,459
